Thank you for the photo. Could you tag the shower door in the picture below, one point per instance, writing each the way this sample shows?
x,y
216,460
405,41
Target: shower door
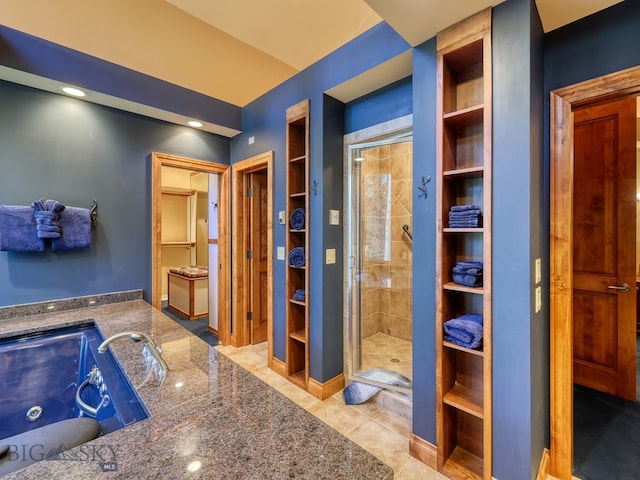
x,y
379,250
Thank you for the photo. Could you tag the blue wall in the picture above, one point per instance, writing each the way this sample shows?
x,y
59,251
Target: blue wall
x,y
54,146
424,241
518,419
264,120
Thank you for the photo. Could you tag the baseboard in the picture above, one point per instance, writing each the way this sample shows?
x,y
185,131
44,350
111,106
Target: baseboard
x,y
424,451
213,330
279,367
326,389
543,469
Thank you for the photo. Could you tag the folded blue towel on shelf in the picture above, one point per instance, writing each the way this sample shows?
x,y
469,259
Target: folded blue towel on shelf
x,y
75,230
18,230
463,208
464,223
466,214
464,266
468,274
296,257
358,392
299,295
465,330
297,219
468,280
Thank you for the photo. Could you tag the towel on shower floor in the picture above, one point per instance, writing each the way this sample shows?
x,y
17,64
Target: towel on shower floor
x,y
465,331
297,219
47,215
358,392
296,257
75,230
18,230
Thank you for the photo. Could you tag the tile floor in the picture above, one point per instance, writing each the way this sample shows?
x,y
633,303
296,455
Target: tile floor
x,y
384,351
379,431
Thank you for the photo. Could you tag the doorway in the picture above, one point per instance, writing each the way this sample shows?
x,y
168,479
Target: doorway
x,y
564,102
252,252
379,248
218,309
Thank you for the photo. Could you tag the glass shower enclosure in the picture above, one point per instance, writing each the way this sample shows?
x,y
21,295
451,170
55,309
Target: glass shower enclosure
x,y
378,317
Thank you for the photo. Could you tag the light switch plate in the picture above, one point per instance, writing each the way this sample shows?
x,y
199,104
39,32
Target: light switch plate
x,y
280,253
331,256
281,217
538,299
538,271
334,217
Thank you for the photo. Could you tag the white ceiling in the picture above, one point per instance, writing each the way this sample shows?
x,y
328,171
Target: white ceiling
x,y
237,50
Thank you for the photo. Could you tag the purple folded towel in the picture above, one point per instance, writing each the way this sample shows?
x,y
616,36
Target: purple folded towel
x,y
75,230
18,230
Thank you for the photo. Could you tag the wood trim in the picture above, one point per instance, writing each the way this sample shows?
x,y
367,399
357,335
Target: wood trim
x,y
239,175
543,469
466,31
278,366
326,389
158,160
424,451
563,101
224,258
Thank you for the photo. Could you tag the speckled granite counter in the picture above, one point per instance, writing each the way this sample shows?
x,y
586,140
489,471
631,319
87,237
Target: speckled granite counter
x,y
237,426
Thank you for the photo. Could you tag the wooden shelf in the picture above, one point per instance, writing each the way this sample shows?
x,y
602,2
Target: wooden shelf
x,y
454,346
464,172
470,172
462,288
463,465
179,244
465,399
187,192
300,336
297,187
465,117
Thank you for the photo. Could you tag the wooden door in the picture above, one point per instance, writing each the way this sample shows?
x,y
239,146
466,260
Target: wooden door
x,y
604,243
258,276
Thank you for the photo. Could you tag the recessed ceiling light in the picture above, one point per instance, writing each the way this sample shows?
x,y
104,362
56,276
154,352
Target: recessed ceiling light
x,y
76,92
195,123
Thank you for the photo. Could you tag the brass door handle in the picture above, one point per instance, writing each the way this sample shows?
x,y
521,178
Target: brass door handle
x,y
624,288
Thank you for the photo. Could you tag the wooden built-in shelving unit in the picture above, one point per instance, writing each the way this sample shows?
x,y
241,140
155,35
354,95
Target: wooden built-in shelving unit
x,y
463,376
297,186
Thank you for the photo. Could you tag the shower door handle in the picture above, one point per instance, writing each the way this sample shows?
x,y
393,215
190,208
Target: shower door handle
x,y
624,288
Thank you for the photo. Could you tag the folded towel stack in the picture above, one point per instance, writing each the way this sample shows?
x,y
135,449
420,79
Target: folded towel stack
x,y
296,257
468,274
299,295
297,219
465,331
464,216
47,214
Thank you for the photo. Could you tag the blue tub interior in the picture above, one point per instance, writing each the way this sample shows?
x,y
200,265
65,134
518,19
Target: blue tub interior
x,y
45,369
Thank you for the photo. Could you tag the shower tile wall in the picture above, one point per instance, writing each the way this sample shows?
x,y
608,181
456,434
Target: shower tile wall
x,y
386,207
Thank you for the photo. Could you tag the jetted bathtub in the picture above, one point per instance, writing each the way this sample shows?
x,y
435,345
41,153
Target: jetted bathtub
x,y
55,387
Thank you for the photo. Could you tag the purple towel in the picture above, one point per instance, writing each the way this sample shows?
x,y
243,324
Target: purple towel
x,y
75,230
18,230
465,331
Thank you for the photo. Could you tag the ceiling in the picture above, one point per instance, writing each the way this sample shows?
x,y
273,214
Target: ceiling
x,y
237,50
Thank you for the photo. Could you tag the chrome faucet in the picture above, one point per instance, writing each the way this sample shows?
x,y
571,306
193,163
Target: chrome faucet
x,y
151,352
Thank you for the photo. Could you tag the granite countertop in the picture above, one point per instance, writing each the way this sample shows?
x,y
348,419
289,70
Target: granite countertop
x,y
209,410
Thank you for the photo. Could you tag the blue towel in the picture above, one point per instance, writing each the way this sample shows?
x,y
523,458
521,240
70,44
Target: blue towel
x,y
299,295
465,215
75,230
47,215
462,267
297,219
296,257
18,230
464,223
463,208
465,331
357,392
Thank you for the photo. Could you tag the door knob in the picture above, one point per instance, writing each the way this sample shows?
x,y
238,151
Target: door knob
x,y
624,288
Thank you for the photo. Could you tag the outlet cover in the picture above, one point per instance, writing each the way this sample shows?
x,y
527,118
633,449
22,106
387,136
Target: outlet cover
x,y
334,217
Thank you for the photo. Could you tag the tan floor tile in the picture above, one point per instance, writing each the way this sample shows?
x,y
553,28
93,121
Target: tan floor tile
x,y
416,470
394,422
389,446
334,414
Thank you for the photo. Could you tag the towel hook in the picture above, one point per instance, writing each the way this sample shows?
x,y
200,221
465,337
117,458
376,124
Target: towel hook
x,y
315,187
423,186
93,213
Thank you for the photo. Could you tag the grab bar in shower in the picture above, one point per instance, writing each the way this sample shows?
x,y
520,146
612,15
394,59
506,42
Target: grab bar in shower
x,y
406,230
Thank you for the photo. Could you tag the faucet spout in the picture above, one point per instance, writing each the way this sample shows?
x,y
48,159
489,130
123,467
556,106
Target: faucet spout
x,y
150,350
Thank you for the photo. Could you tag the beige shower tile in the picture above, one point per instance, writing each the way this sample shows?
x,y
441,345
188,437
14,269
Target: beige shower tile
x,y
398,149
397,233
401,252
400,303
399,210
401,278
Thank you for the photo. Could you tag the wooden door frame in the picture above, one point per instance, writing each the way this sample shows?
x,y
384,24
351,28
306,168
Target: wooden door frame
x,y
240,172
563,101
158,160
